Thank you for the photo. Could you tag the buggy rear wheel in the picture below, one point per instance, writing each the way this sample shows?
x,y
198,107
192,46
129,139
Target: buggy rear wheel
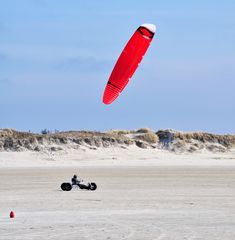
x,y
93,186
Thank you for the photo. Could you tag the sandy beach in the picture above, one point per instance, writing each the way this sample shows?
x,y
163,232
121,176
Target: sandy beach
x,y
141,195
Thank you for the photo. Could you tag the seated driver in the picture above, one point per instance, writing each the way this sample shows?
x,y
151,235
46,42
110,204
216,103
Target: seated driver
x,y
75,180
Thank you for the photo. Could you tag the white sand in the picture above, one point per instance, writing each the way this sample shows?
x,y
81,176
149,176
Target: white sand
x,y
142,194
133,156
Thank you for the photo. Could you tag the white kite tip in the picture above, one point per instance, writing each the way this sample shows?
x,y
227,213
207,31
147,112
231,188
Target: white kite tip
x,y
150,27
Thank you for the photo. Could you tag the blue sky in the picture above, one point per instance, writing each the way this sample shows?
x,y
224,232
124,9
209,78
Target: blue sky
x,y
56,57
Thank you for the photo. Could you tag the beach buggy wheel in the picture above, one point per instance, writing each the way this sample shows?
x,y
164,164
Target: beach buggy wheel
x,y
66,186
93,186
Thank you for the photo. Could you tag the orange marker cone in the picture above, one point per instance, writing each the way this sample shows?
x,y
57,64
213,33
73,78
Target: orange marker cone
x,y
12,214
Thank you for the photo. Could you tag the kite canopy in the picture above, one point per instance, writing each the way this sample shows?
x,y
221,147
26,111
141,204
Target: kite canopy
x,y
128,61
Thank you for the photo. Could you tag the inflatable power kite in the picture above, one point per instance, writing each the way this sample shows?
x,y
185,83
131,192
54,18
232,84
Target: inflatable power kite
x,y
128,62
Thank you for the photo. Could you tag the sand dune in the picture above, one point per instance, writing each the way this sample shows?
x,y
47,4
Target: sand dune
x,y
174,141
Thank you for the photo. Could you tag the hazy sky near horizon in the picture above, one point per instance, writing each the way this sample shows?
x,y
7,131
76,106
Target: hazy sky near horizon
x,y
56,57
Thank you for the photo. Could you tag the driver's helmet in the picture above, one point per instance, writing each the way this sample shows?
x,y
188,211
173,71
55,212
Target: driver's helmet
x,y
75,176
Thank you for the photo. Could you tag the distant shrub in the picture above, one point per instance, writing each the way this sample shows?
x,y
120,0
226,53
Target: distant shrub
x,y
45,131
144,130
149,137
